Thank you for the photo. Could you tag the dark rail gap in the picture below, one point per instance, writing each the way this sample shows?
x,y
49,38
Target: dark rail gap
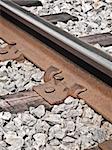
x,y
59,49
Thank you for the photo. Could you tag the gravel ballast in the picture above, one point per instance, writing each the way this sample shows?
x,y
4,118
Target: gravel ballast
x,y
95,16
18,76
72,125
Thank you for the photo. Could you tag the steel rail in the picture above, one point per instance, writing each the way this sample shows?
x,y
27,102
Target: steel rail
x,y
82,50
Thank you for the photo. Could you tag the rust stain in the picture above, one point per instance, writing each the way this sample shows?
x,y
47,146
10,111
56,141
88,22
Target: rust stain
x,y
10,52
98,94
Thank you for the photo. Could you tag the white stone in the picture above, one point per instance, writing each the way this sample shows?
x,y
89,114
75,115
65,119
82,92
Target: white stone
x,y
39,111
50,147
68,139
58,108
54,142
10,126
3,45
69,100
99,135
70,126
86,7
72,113
18,77
14,140
56,132
2,145
40,138
17,122
1,41
63,147
52,118
108,1
5,115
88,113
42,126
28,119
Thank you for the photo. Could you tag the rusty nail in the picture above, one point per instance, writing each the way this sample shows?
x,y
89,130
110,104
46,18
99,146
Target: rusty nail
x,y
49,89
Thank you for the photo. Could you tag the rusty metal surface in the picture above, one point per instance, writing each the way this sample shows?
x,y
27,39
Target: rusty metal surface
x,y
10,52
107,145
97,92
57,93
104,39
21,101
86,52
54,94
63,17
50,73
55,89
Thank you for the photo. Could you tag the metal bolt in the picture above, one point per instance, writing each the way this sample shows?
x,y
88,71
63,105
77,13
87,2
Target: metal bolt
x,y
49,89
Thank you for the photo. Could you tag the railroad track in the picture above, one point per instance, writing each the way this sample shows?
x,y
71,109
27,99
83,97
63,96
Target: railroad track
x,y
60,72
78,23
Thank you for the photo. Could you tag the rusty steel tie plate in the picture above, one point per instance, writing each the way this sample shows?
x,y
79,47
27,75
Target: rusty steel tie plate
x,y
54,94
55,90
10,52
107,145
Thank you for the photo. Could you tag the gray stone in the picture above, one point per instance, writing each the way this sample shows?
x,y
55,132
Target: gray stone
x,y
52,118
18,76
56,132
69,100
15,141
55,142
70,126
108,1
58,108
28,119
17,122
39,111
50,147
68,139
5,115
42,126
40,139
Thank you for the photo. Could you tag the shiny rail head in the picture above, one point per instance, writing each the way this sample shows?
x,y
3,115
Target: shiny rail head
x,y
71,44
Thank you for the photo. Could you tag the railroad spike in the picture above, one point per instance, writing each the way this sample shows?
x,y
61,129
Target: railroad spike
x,y
50,73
